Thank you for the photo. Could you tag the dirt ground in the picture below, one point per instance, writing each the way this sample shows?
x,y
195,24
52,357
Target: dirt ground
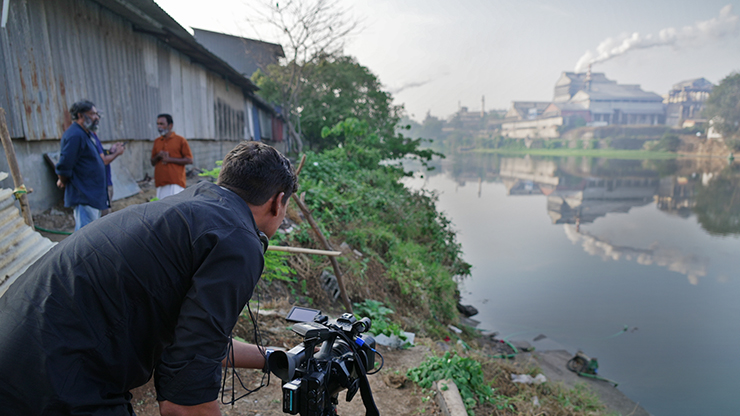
x,y
392,392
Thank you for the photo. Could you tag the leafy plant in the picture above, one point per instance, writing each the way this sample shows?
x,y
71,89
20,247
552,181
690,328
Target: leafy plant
x,y
212,173
465,372
276,267
375,310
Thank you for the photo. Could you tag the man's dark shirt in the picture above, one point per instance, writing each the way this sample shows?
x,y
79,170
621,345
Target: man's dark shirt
x,y
80,162
157,286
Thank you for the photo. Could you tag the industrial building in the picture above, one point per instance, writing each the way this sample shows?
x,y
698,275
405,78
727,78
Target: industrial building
x,y
581,99
685,102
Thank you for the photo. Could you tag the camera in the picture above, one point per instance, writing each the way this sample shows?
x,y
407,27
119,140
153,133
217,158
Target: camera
x,y
312,380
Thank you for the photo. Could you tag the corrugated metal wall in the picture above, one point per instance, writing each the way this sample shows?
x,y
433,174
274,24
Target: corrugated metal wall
x,y
57,52
20,245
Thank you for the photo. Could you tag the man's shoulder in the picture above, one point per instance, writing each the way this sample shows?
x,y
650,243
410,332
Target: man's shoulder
x,y
74,131
178,137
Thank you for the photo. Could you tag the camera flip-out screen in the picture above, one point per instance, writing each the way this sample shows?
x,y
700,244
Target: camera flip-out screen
x,y
301,314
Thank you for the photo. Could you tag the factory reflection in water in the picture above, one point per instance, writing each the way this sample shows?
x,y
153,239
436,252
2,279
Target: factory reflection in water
x,y
580,190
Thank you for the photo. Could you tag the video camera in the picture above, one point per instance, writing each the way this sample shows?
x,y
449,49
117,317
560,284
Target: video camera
x,y
313,380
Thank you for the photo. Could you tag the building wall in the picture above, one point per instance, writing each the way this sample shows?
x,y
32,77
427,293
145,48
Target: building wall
x,y
544,128
56,52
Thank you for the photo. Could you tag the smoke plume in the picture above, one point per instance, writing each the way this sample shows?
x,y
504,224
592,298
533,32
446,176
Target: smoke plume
x,y
701,33
409,85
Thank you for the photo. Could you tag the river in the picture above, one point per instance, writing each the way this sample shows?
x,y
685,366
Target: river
x,y
633,262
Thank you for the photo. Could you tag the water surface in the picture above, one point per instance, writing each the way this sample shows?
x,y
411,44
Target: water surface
x,y
579,249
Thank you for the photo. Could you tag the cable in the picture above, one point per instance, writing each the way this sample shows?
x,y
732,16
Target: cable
x,y
230,361
51,231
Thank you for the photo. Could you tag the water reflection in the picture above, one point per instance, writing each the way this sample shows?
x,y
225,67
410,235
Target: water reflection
x,y
576,248
580,190
675,260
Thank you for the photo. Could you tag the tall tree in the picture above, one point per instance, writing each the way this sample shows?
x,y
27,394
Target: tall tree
x,y
723,107
340,88
308,29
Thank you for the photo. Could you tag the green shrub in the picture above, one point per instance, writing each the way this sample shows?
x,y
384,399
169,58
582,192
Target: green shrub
x,y
465,372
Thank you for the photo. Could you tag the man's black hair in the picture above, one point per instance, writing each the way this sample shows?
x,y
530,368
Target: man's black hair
x,y
257,172
80,107
166,117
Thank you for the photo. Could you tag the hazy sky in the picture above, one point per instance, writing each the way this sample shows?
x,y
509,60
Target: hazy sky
x,y
434,54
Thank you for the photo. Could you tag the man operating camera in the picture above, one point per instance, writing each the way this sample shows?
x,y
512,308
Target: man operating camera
x,y
154,289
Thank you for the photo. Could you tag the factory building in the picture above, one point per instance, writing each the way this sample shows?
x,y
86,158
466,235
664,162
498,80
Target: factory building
x,y
580,99
606,102
685,102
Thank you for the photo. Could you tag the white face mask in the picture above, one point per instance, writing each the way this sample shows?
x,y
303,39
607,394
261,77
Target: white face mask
x,y
89,124
163,131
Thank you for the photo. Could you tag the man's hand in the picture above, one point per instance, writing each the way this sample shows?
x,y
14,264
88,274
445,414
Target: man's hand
x,y
163,156
61,181
167,408
118,148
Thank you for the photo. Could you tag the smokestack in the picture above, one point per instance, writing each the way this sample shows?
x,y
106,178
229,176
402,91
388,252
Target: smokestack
x,y
587,82
482,106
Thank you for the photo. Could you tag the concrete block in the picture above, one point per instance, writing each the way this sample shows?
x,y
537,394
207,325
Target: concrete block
x,y
449,399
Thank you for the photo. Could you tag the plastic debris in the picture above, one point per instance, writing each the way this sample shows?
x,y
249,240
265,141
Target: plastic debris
x,y
527,379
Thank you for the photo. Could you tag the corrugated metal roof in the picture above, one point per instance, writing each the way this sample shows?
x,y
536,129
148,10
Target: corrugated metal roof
x,y
616,92
243,54
20,245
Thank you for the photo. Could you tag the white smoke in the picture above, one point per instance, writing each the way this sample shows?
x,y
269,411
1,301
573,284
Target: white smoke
x,y
697,35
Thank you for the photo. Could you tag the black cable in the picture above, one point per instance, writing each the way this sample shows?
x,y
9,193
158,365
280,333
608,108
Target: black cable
x,y
382,363
230,361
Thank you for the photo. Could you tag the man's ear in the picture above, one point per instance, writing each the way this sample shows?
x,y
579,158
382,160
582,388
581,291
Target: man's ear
x,y
277,203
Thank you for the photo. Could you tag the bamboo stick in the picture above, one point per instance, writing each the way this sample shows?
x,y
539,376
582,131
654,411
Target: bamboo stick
x,y
20,188
304,251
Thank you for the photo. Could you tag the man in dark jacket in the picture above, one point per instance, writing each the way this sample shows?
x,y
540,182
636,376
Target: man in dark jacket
x,y
80,170
154,289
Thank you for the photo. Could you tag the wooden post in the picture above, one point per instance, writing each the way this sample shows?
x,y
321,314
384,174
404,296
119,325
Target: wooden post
x,y
20,189
327,246
324,242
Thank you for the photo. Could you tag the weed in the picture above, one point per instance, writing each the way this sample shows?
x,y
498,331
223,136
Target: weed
x,y
276,267
375,310
465,372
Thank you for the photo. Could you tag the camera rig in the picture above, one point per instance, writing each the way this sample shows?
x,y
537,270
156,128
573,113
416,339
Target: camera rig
x,y
313,380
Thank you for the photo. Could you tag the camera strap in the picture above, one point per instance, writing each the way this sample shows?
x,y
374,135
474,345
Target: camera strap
x,y
367,395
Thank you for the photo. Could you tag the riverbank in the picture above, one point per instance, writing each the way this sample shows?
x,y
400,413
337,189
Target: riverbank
x,y
393,392
685,146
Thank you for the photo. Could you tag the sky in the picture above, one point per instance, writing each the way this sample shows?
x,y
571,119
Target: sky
x,y
437,55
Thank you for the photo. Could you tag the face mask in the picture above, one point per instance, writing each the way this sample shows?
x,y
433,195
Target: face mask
x,y
89,123
163,131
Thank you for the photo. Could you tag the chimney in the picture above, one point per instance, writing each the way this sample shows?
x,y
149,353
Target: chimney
x,y
587,82
482,106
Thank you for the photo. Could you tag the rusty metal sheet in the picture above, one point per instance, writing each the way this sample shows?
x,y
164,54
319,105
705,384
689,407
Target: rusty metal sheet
x,y
127,56
20,245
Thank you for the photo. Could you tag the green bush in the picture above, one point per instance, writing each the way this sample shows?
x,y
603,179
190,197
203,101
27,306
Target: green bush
x,y
465,372
375,310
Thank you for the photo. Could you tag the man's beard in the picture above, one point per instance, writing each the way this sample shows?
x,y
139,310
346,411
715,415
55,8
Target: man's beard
x,y
90,124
